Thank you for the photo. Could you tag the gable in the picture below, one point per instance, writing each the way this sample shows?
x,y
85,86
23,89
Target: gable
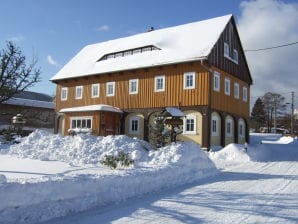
x,y
239,68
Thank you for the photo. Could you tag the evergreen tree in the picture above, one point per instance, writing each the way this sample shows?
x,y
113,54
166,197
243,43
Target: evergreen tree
x,y
158,135
258,114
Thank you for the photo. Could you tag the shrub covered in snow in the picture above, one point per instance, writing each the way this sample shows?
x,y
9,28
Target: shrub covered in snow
x,y
121,159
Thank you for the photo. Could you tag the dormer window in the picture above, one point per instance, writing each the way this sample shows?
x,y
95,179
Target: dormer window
x,y
128,52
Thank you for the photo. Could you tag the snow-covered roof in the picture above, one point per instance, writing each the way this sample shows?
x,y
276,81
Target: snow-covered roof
x,y
30,103
189,42
98,107
175,112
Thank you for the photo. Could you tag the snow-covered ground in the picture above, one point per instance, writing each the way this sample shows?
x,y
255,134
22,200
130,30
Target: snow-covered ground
x,y
177,184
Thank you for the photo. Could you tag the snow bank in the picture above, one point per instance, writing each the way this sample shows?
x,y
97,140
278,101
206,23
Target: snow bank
x,y
68,192
273,148
232,154
78,149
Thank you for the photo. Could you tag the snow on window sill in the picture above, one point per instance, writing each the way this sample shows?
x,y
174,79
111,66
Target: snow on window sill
x,y
80,131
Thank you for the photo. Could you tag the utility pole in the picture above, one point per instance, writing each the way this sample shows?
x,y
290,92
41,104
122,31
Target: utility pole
x,y
274,113
292,114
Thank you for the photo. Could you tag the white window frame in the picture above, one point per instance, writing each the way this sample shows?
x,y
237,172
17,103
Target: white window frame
x,y
235,56
245,92
93,86
229,122
79,92
216,120
131,82
64,93
227,86
156,78
185,78
226,50
131,120
236,90
190,117
81,121
112,84
216,81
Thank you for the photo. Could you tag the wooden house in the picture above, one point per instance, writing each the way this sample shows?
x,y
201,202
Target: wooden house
x,y
115,87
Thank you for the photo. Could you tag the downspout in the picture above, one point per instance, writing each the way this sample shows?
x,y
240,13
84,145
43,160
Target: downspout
x,y
208,112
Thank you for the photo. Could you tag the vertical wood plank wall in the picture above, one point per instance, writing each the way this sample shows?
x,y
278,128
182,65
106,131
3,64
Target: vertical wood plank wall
x,y
228,103
174,94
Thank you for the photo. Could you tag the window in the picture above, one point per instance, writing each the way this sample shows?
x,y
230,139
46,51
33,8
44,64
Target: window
x,y
110,89
229,128
235,56
64,92
227,86
128,52
226,50
133,86
159,83
190,124
79,92
245,94
95,90
189,80
241,130
216,81
81,122
214,126
236,90
134,125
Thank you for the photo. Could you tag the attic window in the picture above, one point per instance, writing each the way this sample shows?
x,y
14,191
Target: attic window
x,y
128,52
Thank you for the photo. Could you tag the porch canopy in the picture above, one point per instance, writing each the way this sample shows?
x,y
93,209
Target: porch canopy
x,y
97,107
175,112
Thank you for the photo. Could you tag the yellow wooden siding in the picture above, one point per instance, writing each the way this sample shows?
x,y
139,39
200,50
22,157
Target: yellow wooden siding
x,y
229,103
174,94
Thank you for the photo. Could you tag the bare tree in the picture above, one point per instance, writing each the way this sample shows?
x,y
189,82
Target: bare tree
x,y
274,106
15,75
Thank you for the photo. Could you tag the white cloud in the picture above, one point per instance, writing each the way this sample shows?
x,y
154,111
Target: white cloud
x,y
103,28
16,38
266,23
51,61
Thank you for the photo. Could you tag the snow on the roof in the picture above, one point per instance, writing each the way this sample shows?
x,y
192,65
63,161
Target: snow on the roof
x,y
182,43
30,103
175,112
98,107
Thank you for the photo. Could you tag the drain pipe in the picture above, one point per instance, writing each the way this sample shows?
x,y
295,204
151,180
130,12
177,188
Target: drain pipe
x,y
208,112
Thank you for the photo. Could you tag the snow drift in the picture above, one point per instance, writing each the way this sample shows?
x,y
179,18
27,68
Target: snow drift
x,y
58,195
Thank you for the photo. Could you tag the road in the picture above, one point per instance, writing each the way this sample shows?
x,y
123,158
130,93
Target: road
x,y
249,193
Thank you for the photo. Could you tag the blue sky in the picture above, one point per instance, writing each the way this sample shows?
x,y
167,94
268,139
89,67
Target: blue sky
x,y
56,30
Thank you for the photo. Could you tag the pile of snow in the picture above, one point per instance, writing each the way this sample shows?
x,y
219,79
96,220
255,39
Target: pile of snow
x,y
55,195
231,155
282,140
264,148
79,149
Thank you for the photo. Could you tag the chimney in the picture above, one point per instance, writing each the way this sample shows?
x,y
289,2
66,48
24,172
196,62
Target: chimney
x,y
150,29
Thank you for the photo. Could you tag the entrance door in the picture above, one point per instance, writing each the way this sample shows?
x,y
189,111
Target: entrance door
x,y
110,124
